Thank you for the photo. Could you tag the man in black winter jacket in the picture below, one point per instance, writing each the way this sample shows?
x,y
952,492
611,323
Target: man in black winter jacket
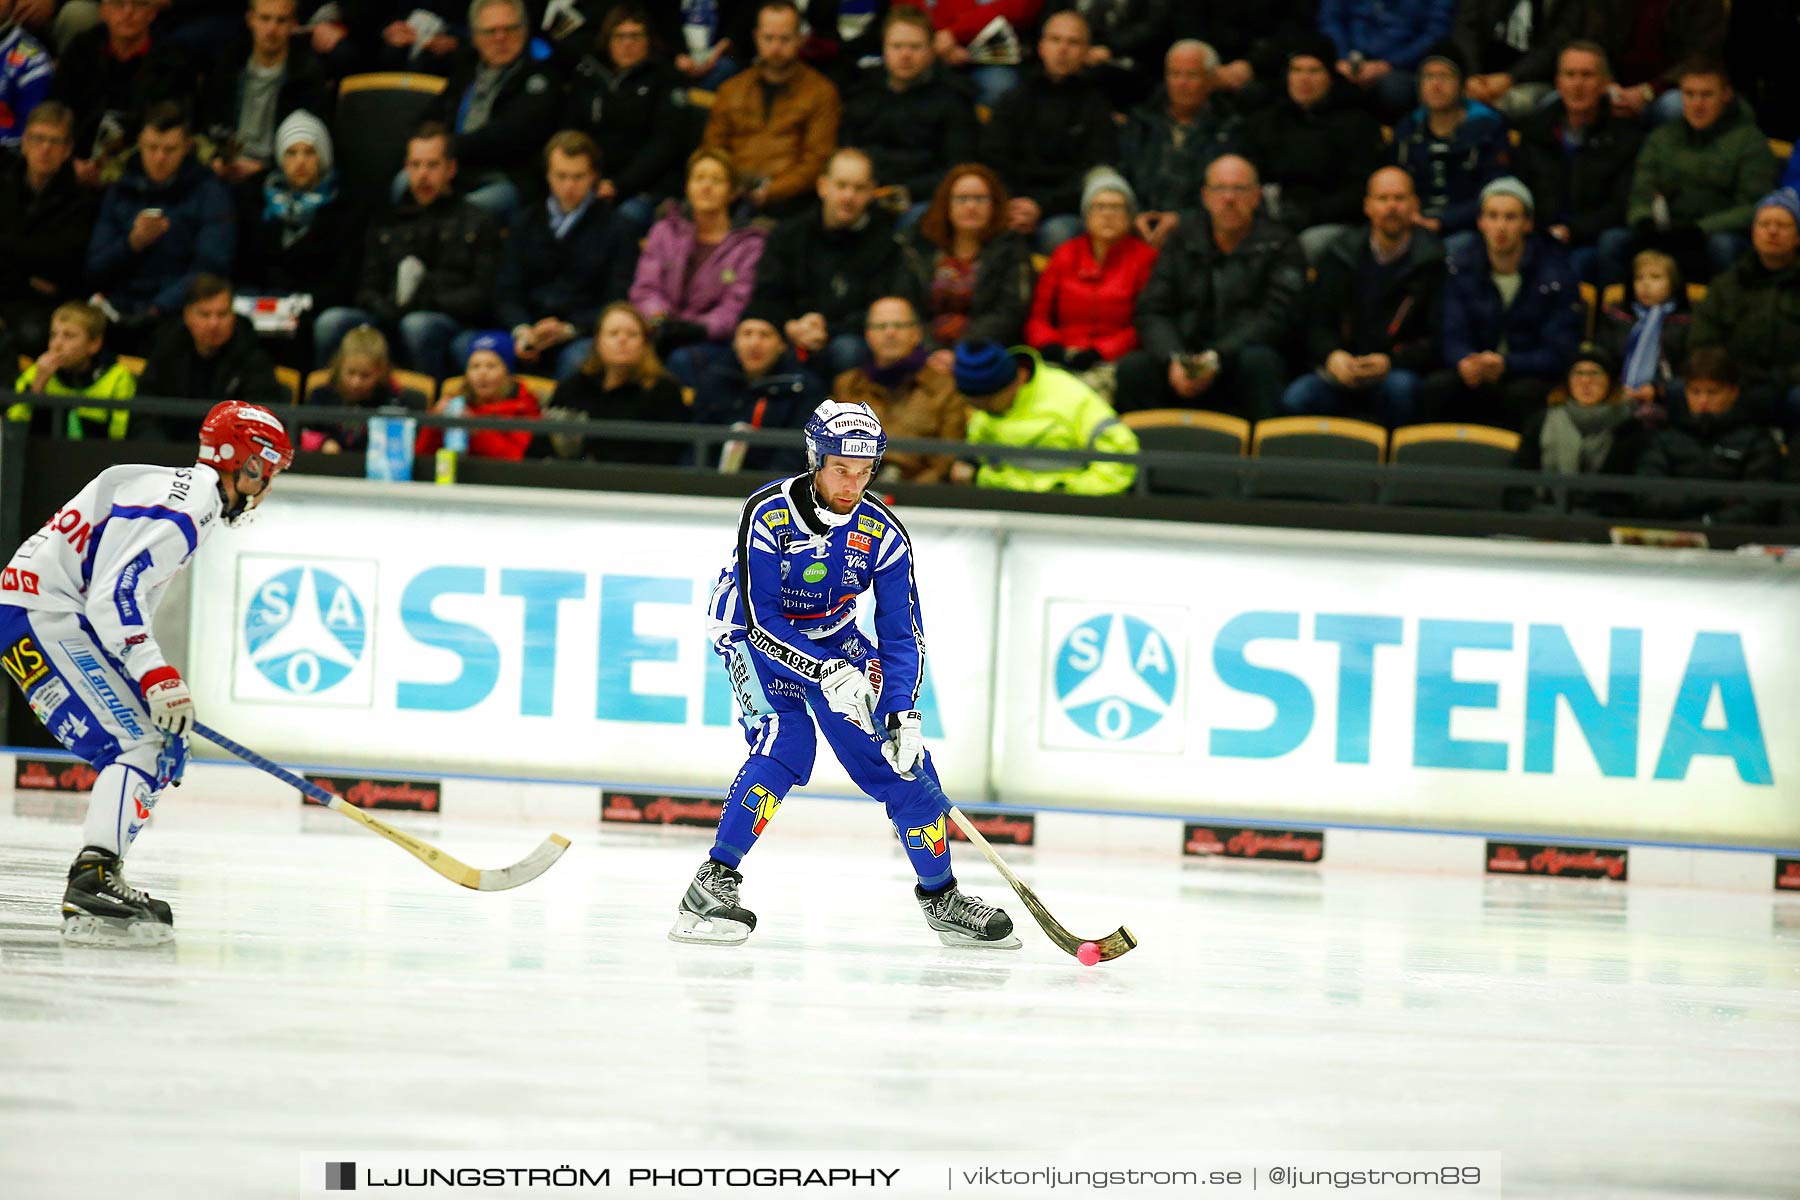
x,y
251,87
428,270
1576,157
1314,147
567,259
1221,307
1166,145
204,354
1048,132
501,105
46,218
821,270
911,118
1372,313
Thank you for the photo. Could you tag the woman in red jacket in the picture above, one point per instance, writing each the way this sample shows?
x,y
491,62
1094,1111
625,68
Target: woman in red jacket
x,y
1081,313
489,390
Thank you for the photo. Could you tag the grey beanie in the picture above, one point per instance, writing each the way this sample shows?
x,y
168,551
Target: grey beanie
x,y
1105,179
1508,185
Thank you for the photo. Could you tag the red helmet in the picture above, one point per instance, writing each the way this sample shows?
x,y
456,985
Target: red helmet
x,y
235,433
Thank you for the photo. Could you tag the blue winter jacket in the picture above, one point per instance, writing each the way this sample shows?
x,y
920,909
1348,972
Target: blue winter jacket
x,y
1541,329
1396,32
202,236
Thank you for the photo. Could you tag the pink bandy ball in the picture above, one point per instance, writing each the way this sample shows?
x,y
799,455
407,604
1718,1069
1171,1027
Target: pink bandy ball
x,y
1088,954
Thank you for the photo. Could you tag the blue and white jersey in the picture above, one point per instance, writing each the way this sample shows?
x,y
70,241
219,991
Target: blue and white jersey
x,y
792,585
108,554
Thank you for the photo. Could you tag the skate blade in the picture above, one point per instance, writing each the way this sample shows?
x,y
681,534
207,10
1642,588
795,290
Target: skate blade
x,y
708,931
963,941
89,930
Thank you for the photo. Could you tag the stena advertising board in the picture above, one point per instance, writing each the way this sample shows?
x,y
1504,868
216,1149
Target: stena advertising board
x,y
527,632
1420,682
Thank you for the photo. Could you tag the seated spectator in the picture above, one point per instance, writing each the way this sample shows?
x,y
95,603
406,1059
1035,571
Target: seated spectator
x,y
1698,178
428,270
1509,50
295,235
46,219
1753,312
1648,336
908,117
1222,304
1166,145
501,105
361,377
1576,156
255,82
1083,307
1313,148
1512,318
620,380
1125,38
972,273
1372,313
698,268
821,270
25,70
490,389
1018,399
713,41
1646,39
76,364
912,398
205,355
1590,427
1711,436
759,385
626,100
164,223
110,76
1379,46
968,39
1047,133
566,260
779,120
1452,148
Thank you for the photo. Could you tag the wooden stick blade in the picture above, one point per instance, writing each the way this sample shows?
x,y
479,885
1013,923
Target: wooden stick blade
x,y
527,868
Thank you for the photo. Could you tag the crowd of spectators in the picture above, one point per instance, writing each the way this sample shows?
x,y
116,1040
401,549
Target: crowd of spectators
x,y
1003,221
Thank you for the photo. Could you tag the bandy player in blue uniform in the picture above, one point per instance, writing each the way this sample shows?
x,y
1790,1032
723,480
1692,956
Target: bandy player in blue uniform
x,y
783,616
76,606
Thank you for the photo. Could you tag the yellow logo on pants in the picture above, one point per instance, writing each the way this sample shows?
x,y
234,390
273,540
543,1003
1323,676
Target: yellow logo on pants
x,y
928,837
761,801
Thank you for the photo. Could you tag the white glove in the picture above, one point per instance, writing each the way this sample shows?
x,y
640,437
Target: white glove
x,y
407,278
171,707
848,692
905,745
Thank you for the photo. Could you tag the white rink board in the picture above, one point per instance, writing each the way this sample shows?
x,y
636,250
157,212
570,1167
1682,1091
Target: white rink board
x,y
1274,675
524,632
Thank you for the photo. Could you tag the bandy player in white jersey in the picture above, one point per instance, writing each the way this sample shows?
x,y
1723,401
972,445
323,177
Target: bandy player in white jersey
x,y
76,606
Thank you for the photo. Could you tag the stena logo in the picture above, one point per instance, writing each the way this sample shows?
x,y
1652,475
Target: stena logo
x,y
305,628
1115,678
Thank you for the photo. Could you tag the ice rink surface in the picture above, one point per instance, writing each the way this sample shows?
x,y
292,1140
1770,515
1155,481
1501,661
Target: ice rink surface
x,y
328,994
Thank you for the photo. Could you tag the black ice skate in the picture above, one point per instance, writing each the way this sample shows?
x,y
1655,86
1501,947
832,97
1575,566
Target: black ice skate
x,y
101,909
710,911
965,921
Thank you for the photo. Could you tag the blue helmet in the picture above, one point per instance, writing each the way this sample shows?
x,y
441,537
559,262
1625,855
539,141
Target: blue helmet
x,y
847,430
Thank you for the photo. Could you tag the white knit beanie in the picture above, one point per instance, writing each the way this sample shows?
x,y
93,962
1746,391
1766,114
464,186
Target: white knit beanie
x,y
302,126
1105,179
